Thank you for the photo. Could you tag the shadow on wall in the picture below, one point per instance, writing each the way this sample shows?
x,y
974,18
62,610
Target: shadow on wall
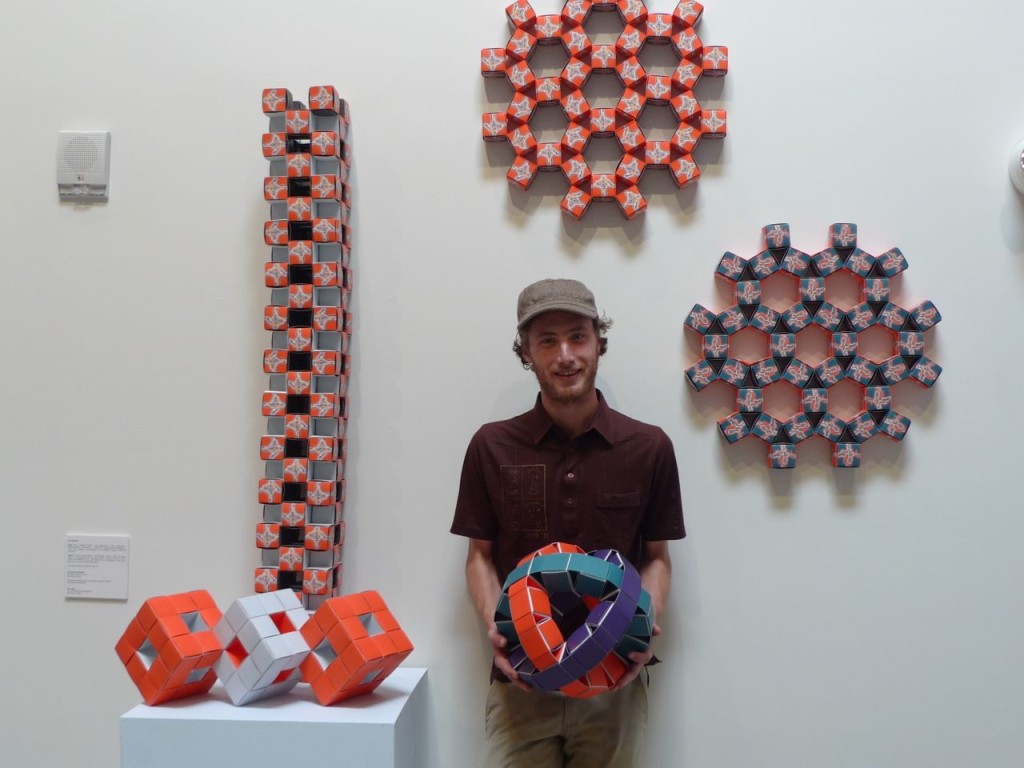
x,y
1012,221
748,457
604,219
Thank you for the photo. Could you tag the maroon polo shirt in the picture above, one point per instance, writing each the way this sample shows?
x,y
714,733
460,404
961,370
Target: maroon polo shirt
x,y
525,483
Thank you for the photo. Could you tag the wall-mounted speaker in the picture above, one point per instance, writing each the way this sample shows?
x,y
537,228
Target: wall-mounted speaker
x,y
83,165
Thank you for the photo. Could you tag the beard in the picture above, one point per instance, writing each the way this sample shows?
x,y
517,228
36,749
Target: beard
x,y
558,391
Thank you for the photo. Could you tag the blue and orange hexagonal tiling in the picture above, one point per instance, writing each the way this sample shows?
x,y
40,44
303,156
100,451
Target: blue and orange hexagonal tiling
x,y
783,363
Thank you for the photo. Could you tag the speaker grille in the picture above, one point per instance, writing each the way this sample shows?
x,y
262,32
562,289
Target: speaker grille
x,y
81,153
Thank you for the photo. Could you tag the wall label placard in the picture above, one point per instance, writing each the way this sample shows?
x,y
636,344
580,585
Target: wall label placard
x,y
96,566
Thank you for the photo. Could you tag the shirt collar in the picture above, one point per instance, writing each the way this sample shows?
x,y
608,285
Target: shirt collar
x,y
540,423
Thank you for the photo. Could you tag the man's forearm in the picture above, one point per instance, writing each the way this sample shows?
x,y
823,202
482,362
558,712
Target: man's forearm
x,y
656,576
484,591
482,583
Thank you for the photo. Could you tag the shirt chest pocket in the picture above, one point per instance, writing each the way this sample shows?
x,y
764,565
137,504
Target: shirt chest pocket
x,y
619,501
617,518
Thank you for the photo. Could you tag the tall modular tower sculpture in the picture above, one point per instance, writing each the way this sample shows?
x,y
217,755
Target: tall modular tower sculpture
x,y
310,281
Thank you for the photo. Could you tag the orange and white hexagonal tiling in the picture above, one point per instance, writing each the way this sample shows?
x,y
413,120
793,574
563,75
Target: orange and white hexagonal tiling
x,y
641,90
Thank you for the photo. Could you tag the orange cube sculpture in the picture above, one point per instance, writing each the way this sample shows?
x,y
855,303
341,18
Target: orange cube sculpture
x,y
169,648
355,643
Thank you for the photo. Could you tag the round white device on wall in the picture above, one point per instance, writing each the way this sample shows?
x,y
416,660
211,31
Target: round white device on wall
x,y
1017,167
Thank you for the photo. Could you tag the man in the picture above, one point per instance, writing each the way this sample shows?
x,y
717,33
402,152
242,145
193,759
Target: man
x,y
572,470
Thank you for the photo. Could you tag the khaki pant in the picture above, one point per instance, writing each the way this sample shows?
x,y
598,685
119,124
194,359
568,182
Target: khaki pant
x,y
542,730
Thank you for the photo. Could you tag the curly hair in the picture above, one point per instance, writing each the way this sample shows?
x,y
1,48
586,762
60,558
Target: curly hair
x,y
601,326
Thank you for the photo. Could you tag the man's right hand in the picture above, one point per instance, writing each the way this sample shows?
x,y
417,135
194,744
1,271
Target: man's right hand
x,y
499,644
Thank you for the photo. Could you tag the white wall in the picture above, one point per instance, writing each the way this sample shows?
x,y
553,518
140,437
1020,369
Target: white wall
x,y
819,617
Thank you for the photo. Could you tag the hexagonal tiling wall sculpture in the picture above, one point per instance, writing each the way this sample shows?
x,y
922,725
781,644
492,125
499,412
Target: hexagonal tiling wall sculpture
x,y
310,281
783,365
639,90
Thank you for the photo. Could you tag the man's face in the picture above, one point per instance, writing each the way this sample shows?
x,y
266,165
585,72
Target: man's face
x,y
563,349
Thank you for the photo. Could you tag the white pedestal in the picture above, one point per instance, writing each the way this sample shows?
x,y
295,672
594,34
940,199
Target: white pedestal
x,y
384,729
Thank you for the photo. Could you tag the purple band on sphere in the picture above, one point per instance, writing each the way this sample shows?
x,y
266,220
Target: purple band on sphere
x,y
596,637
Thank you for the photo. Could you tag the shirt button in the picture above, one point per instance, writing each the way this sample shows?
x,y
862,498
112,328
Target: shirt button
x,y
570,476
570,501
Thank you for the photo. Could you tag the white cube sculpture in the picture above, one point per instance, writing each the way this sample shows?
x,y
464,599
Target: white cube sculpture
x,y
263,647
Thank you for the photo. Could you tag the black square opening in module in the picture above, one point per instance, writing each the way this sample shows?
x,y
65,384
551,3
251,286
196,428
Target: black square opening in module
x,y
300,186
295,448
297,404
300,274
300,318
300,230
289,580
292,537
291,492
